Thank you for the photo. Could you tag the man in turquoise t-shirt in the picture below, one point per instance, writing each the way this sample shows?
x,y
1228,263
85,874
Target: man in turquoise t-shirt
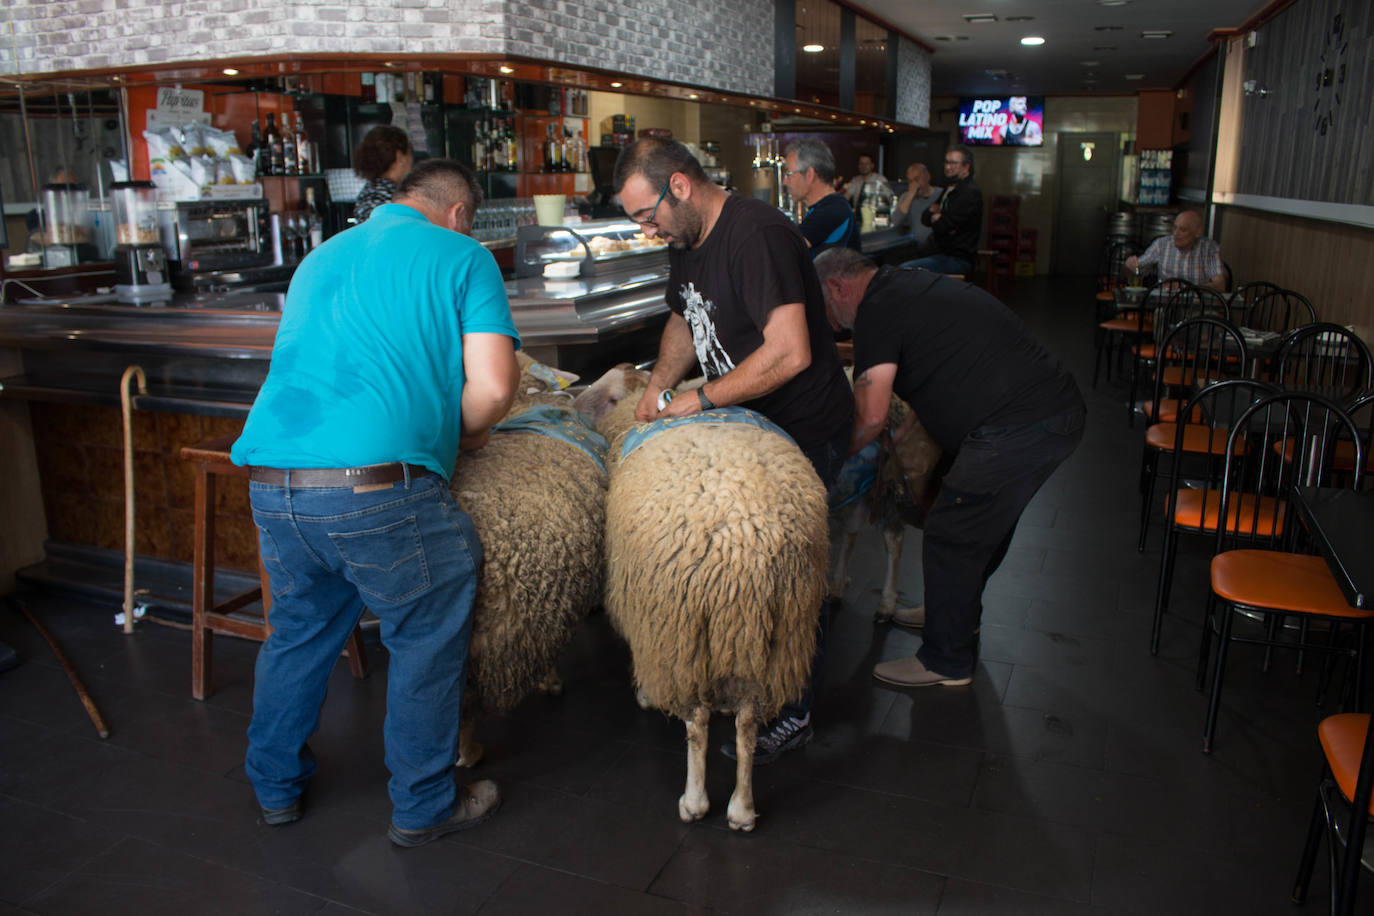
x,y
396,347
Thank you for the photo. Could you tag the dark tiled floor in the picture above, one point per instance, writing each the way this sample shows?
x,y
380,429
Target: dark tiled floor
x,y
1068,779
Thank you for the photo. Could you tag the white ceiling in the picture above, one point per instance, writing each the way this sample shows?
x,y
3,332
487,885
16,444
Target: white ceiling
x,y
1069,27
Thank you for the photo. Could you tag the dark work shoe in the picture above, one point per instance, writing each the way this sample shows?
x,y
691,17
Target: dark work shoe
x,y
275,817
775,739
477,802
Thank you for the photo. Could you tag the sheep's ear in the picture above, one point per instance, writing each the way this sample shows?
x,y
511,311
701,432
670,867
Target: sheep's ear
x,y
602,395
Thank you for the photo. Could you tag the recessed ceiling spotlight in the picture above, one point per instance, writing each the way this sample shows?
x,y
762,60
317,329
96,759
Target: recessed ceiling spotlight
x,y
980,17
1135,76
1106,28
1092,63
1156,33
961,38
507,69
944,38
1032,41
813,48
229,71
693,95
1018,18
616,85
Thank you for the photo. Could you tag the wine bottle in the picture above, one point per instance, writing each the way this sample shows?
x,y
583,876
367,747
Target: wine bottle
x,y
291,162
276,164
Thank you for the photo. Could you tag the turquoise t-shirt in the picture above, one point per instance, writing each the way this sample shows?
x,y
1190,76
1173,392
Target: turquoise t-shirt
x,y
367,367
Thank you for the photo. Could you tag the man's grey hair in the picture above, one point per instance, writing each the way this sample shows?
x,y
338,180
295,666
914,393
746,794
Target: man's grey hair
x,y
442,182
842,262
813,154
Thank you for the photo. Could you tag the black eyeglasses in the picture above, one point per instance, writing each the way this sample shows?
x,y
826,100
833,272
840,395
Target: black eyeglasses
x,y
649,220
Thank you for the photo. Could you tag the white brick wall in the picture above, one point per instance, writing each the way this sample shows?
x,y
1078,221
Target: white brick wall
x,y
913,84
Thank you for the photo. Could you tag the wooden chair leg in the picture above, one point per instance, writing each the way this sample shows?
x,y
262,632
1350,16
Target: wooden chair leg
x,y
357,654
203,585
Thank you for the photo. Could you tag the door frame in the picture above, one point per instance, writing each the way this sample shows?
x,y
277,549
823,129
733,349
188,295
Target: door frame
x,y
1063,139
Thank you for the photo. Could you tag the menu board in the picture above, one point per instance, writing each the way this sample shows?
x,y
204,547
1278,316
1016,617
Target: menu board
x,y
1156,177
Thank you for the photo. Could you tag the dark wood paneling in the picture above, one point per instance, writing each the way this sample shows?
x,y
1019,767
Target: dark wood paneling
x,y
1285,152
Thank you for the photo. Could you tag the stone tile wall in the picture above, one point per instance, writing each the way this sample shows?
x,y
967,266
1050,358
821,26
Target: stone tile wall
x,y
913,84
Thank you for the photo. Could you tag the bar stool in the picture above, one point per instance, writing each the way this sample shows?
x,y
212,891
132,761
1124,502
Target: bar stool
x,y
987,259
211,458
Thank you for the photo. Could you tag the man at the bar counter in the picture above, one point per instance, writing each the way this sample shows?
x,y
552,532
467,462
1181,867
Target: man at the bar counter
x,y
809,176
1185,255
396,348
746,306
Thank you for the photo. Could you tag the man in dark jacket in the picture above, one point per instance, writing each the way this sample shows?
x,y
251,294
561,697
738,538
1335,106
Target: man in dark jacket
x,y
955,220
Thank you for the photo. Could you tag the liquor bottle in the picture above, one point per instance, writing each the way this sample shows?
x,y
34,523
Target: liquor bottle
x,y
369,89
512,147
291,162
479,148
550,156
313,221
304,148
255,149
276,165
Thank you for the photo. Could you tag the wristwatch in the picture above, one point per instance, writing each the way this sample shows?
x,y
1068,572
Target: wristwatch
x,y
705,401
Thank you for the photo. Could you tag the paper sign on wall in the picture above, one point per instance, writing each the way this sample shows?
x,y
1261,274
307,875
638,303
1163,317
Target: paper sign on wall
x,y
171,99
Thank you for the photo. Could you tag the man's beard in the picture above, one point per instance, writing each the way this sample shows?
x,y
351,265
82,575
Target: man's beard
x,y
689,221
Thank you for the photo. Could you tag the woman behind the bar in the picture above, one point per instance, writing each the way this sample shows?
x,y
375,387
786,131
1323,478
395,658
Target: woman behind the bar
x,y
383,158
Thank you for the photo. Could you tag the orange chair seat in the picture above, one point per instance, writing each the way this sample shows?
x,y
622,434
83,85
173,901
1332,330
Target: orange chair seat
x,y
1343,738
1190,375
1198,439
1289,582
1168,411
1342,458
1106,295
1144,351
1264,520
1123,325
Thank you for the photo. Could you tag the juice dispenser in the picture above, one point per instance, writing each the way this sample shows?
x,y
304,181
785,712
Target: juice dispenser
x,y
140,261
66,223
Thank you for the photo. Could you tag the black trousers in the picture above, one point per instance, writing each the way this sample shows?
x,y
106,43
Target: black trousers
x,y
994,476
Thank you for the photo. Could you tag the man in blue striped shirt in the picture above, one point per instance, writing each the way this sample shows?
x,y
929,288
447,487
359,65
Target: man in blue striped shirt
x,y
810,176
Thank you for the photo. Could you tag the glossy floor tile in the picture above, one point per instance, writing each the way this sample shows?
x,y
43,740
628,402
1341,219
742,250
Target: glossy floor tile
x,y
1068,779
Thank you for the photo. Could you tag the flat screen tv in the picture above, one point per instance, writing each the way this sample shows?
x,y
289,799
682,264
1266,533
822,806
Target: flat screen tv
x,y
1017,120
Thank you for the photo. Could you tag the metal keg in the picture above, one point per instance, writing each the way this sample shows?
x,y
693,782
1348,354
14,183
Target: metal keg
x,y
1120,227
1154,224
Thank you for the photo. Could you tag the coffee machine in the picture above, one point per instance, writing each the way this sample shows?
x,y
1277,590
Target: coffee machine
x,y
140,260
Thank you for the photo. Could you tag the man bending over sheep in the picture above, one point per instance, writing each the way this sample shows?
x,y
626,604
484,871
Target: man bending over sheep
x,y
396,348
746,307
989,394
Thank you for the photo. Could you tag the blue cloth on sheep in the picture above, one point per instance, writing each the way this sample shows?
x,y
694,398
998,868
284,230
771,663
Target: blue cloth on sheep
x,y
857,476
719,416
559,423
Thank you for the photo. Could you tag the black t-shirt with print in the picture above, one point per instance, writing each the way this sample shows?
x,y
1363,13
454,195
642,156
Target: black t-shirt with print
x,y
830,223
754,260
964,359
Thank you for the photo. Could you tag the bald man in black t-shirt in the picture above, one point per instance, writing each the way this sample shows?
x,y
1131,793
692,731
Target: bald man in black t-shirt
x,y
990,394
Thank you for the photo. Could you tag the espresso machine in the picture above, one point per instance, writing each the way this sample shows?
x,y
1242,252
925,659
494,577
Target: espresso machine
x,y
140,260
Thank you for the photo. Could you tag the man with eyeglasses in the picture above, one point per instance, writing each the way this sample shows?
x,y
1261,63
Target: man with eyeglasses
x,y
809,177
955,220
748,309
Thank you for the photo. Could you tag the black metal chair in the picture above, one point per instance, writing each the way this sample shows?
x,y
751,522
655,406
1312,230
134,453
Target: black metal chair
x,y
1325,359
1343,809
1113,328
1288,440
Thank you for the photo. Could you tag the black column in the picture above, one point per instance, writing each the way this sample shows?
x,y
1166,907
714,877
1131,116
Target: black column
x,y
785,49
847,53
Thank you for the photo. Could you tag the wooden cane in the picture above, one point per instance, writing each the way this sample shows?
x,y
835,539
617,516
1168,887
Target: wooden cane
x,y
72,676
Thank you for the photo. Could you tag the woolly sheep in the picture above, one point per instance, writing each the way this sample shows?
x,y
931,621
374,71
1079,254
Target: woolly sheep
x,y
716,546
538,504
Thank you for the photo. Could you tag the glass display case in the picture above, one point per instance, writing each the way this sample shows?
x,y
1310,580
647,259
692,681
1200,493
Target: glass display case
x,y
582,250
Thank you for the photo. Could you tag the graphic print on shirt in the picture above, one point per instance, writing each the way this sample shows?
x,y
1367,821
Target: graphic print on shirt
x,y
715,362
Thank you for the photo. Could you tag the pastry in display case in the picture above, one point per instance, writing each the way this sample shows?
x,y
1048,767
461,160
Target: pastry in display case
x,y
584,250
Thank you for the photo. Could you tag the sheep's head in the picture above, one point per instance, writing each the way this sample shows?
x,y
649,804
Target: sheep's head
x,y
620,387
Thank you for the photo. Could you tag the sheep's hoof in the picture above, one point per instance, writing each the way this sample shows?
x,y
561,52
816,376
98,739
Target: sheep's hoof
x,y
692,810
552,685
470,756
642,699
745,826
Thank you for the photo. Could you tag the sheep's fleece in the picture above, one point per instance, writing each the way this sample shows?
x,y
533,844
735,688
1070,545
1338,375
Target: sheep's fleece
x,y
716,549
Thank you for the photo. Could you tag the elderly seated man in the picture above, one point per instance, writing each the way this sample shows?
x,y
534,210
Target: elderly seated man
x,y
1185,254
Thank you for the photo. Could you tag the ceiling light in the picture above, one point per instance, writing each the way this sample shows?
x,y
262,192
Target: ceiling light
x,y
813,48
693,95
1135,76
980,17
1156,33
505,69
1018,18
1106,28
1092,63
944,38
1032,41
392,63
616,85
229,71
961,38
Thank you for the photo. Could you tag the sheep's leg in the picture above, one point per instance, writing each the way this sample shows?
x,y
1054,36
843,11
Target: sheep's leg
x,y
694,804
469,751
741,814
551,683
887,603
849,533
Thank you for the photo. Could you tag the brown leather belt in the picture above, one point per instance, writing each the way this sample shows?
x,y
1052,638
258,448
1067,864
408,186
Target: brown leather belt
x,y
338,477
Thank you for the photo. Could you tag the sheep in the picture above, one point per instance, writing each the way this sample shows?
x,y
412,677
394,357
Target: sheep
x,y
892,484
538,504
716,546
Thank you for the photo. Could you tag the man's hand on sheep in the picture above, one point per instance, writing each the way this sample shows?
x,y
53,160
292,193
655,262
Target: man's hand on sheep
x,y
647,408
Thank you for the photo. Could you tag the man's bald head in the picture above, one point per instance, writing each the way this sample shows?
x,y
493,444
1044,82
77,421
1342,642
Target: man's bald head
x,y
1187,230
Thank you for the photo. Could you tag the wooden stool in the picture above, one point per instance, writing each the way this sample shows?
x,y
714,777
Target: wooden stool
x,y
211,457
989,259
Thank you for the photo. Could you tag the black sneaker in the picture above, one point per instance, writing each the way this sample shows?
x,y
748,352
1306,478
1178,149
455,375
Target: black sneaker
x,y
783,735
477,802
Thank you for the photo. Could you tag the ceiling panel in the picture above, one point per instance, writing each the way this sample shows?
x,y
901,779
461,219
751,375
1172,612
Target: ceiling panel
x,y
1090,46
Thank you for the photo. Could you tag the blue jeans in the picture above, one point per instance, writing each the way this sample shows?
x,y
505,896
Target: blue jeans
x,y
942,264
409,554
996,472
